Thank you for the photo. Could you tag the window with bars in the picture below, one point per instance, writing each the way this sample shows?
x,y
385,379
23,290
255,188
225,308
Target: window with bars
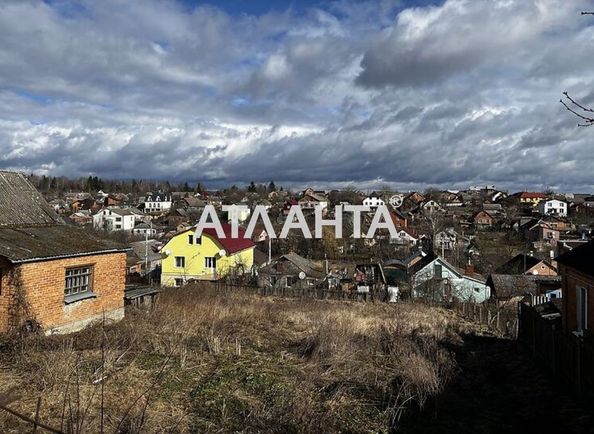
x,y
78,281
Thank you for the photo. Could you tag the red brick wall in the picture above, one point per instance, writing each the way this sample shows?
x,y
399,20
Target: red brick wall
x,y
43,285
570,280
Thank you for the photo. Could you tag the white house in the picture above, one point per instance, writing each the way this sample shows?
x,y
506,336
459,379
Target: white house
x,y
157,202
554,207
144,229
373,201
436,278
405,237
116,219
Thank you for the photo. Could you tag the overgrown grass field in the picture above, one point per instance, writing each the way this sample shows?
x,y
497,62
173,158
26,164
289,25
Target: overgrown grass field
x,y
201,361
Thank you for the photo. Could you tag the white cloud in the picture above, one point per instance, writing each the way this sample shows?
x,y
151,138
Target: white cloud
x,y
454,94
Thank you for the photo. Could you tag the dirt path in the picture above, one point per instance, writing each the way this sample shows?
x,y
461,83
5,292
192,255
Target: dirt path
x,y
499,391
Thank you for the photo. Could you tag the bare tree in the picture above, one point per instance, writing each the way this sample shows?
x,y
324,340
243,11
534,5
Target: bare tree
x,y
585,114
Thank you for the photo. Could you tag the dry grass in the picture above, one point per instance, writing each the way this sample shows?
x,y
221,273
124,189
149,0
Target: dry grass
x,y
204,362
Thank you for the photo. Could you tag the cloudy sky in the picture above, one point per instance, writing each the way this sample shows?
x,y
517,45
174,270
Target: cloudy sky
x,y
409,94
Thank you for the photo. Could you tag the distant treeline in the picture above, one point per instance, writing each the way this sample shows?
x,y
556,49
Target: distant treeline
x,y
62,184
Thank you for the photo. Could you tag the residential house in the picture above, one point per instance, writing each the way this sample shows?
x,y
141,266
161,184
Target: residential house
x,y
207,257
399,218
527,264
405,236
374,200
145,229
531,198
54,276
448,240
144,258
157,202
435,278
290,271
311,200
59,206
482,220
506,288
81,218
431,206
84,204
540,231
117,219
577,271
553,207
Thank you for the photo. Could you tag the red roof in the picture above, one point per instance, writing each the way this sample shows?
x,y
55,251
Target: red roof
x,y
529,195
231,245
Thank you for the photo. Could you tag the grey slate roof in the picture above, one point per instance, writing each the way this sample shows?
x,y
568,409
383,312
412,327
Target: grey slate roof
x,y
21,203
32,243
31,231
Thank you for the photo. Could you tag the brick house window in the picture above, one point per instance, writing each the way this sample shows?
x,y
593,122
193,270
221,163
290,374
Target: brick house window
x,y
180,261
78,283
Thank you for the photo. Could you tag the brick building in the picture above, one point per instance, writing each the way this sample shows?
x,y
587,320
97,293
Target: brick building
x,y
53,275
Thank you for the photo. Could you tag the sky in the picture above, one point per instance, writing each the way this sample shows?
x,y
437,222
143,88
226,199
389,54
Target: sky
x,y
369,94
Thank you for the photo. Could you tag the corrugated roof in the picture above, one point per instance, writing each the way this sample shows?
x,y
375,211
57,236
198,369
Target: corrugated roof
x,y
25,244
21,204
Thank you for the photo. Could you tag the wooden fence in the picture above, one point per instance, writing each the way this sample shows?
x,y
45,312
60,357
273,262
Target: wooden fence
x,y
302,292
501,321
569,358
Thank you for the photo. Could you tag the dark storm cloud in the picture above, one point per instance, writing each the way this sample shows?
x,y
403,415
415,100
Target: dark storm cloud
x,y
370,93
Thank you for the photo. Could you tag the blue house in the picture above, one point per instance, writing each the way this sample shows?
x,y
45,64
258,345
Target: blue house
x,y
436,279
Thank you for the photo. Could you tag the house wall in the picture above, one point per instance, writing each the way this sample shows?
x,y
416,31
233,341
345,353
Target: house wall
x,y
42,284
572,279
195,262
462,288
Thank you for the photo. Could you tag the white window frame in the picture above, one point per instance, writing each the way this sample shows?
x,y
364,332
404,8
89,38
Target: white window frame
x,y
210,262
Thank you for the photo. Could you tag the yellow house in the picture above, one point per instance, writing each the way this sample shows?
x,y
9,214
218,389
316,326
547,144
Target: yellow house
x,y
208,257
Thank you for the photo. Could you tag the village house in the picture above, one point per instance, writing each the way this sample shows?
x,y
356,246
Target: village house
x,y
54,276
399,218
553,207
531,198
482,220
509,289
436,279
448,240
405,236
309,200
81,218
117,219
145,259
208,257
290,271
527,264
374,200
577,271
145,229
157,202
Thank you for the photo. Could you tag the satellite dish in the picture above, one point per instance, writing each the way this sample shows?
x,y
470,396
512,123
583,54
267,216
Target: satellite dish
x,y
222,253
396,200
168,252
301,275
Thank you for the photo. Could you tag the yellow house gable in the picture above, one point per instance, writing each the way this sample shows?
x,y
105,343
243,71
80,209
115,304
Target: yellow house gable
x,y
189,258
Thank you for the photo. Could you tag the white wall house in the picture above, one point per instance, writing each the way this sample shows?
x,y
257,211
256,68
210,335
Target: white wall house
x,y
553,207
116,219
373,201
157,202
442,281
